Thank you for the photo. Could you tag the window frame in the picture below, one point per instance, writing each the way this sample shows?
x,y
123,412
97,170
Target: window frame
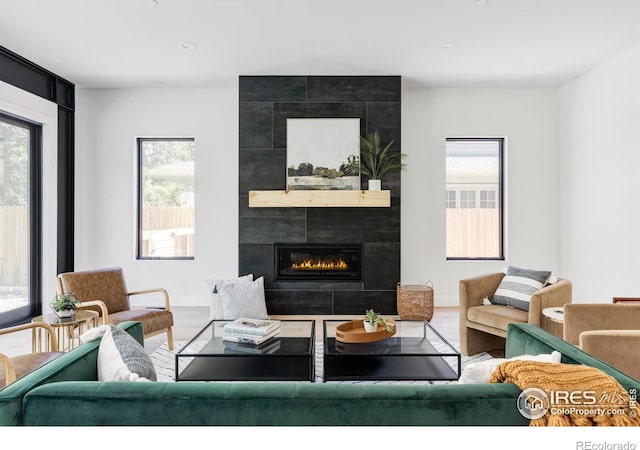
x,y
500,197
139,231
34,305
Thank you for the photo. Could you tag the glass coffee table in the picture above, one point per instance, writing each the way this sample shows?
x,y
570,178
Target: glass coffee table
x,y
415,352
289,356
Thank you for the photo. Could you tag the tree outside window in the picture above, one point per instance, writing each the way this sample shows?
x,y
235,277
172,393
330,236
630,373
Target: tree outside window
x,y
166,198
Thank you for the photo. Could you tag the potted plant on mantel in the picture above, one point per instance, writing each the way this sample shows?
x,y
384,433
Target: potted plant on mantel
x,y
373,320
376,160
64,305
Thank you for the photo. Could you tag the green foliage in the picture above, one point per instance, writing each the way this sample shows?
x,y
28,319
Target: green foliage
x,y
376,160
14,154
158,191
374,318
64,302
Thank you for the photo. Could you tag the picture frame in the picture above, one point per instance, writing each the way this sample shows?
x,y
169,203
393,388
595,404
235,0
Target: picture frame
x,y
321,153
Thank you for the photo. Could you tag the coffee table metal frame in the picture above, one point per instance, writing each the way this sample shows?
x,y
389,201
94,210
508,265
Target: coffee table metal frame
x,y
410,354
288,356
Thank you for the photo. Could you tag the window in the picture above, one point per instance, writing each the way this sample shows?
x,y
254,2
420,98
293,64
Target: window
x,y
166,213
451,198
487,199
20,218
474,170
467,199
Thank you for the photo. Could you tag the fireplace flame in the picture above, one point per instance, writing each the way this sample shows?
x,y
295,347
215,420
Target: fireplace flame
x,y
320,264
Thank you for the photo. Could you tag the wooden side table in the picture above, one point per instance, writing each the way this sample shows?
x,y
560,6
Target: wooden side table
x,y
626,300
68,330
554,320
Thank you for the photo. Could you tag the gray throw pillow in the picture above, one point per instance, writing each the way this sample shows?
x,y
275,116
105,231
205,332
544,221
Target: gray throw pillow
x,y
243,300
518,285
122,358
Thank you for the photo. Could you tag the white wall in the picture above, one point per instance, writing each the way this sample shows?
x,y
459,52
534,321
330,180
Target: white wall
x,y
599,116
528,119
107,124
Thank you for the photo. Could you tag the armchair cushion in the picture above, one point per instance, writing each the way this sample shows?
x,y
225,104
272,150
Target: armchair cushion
x,y
496,316
518,285
23,364
107,285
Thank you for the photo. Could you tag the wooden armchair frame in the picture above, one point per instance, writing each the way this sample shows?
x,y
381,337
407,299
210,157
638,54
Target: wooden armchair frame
x,y
10,372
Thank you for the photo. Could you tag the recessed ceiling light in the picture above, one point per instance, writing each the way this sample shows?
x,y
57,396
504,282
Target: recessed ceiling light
x,y
189,45
152,2
450,44
482,2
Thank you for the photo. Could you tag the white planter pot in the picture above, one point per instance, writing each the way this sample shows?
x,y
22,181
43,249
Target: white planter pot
x,y
370,328
375,185
65,313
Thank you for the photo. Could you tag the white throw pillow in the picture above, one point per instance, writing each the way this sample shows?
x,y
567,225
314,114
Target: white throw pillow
x,y
243,300
480,372
215,306
122,358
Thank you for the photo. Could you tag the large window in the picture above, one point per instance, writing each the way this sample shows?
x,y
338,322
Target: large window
x,y
20,222
475,178
166,214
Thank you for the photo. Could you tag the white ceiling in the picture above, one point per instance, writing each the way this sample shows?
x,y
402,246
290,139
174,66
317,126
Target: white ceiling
x,y
130,43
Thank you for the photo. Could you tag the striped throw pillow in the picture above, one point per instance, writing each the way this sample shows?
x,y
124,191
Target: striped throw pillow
x,y
518,285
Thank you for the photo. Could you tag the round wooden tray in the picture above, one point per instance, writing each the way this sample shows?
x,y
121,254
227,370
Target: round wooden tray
x,y
353,332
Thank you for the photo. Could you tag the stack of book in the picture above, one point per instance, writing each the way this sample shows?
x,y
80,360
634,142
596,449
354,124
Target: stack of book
x,y
251,331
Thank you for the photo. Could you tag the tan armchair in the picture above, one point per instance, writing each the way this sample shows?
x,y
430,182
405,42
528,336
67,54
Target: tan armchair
x,y
608,331
105,291
483,327
17,366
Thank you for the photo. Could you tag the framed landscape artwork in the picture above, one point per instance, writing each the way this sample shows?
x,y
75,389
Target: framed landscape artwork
x,y
322,153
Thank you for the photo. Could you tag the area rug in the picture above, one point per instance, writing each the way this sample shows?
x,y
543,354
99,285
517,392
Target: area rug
x,y
164,361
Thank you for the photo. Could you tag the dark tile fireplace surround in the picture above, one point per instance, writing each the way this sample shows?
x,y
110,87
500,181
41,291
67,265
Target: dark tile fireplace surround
x,y
323,287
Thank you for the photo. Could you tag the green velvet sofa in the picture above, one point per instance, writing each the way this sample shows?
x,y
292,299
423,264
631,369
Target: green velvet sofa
x,y
65,392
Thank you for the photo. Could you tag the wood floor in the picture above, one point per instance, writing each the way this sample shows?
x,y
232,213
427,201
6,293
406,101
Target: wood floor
x,y
189,320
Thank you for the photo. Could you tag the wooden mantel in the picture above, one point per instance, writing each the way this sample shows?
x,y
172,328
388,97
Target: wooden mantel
x,y
319,199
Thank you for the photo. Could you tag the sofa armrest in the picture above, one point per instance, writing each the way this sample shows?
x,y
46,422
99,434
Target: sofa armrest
x,y
79,364
474,290
615,347
580,317
554,295
527,339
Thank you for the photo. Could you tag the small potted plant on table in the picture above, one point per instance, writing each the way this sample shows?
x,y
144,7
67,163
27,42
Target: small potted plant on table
x,y
373,320
64,305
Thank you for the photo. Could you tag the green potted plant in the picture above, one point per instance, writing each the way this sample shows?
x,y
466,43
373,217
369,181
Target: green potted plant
x,y
64,305
373,320
376,160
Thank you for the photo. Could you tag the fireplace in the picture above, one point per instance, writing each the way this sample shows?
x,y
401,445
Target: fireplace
x,y
309,262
